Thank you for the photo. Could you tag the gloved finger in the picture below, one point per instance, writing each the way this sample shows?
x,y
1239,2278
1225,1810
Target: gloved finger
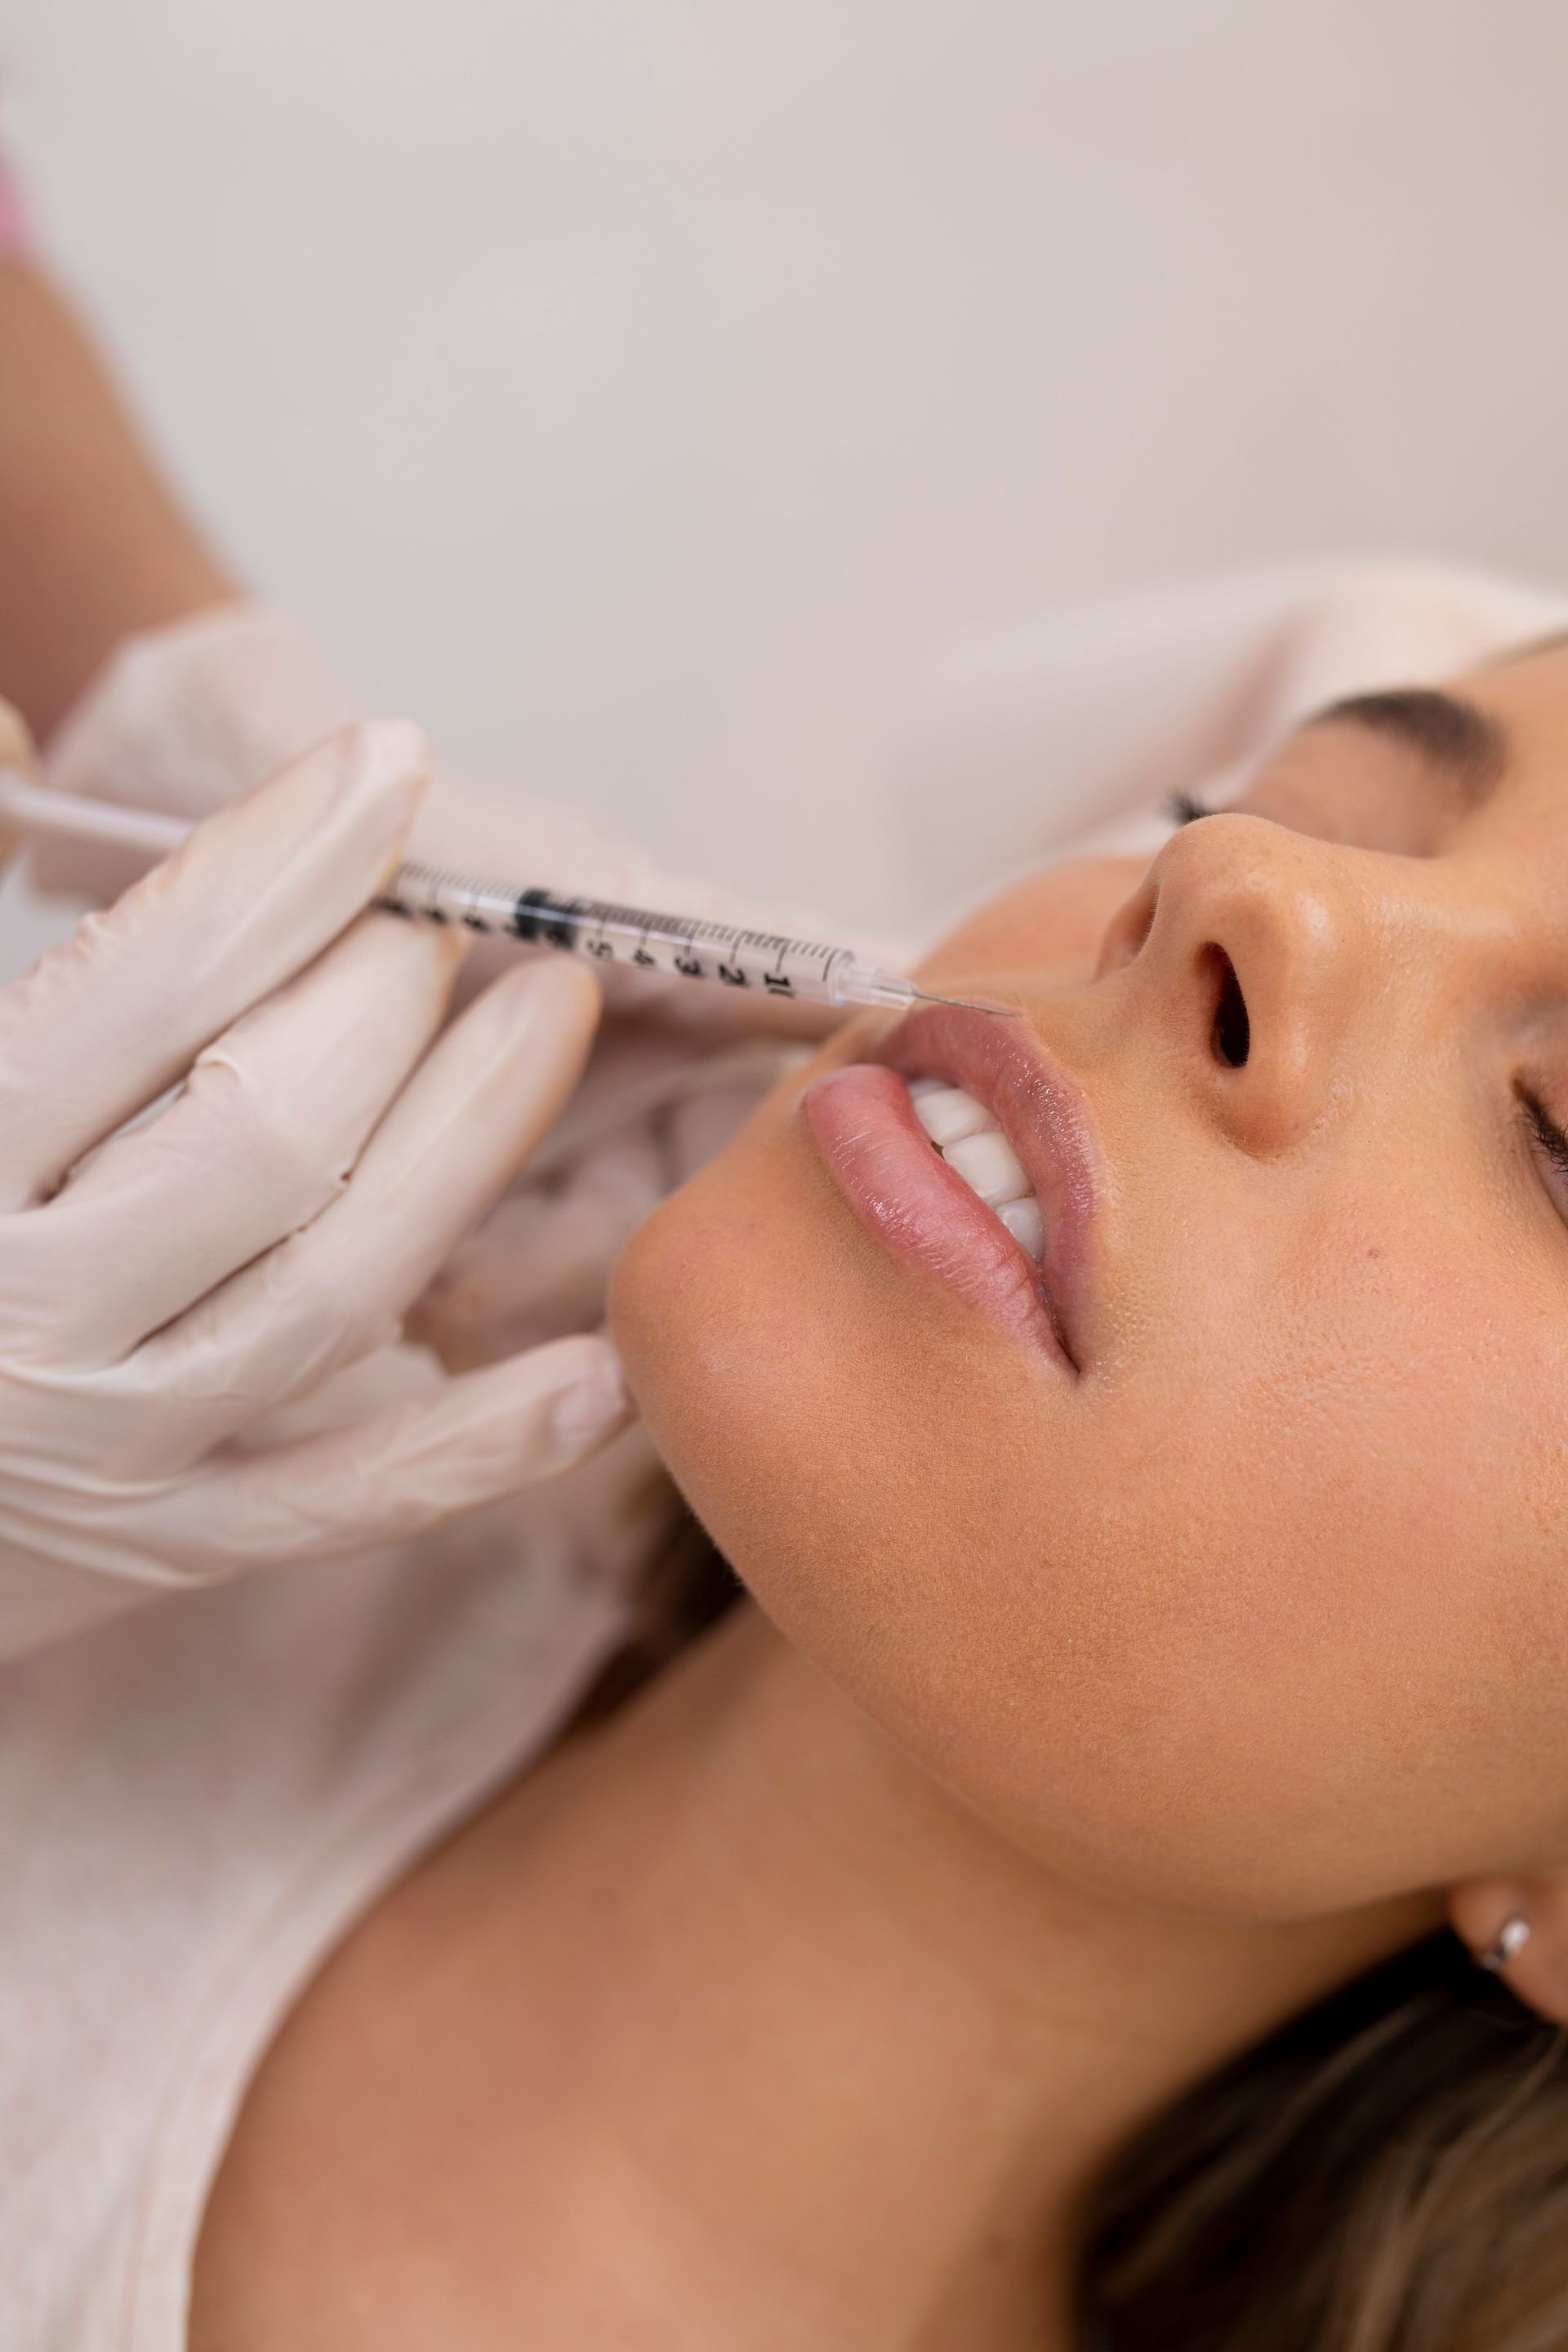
x,y
263,1134
399,1373
474,1439
443,1154
108,1019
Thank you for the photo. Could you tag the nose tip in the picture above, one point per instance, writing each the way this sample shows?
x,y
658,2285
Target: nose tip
x,y
1244,940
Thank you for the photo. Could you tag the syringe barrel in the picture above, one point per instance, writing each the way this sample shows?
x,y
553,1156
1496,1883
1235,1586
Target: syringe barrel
x,y
685,947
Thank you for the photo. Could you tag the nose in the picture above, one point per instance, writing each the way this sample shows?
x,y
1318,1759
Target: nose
x,y
1245,943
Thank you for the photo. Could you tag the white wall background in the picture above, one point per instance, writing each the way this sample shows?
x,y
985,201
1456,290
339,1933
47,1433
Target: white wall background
x,y
639,391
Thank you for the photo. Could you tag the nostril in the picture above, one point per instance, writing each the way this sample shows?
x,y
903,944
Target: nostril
x,y
1231,1034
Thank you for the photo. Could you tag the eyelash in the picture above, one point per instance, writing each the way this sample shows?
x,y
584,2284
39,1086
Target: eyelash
x,y
1181,808
1549,1137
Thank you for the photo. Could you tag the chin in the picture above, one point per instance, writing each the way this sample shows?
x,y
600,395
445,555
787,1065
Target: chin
x,y
833,1426
917,1510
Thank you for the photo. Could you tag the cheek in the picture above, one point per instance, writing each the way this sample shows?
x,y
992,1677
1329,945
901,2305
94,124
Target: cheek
x,y
1350,1503
1259,1616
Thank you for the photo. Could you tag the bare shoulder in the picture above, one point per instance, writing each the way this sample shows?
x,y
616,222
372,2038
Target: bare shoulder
x,y
425,2153
381,2184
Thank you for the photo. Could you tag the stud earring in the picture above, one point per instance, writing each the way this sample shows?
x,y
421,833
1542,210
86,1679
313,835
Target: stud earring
x,y
1511,1939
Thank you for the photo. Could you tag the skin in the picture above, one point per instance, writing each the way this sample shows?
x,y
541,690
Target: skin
x,y
1085,1730
1083,1733
1288,1253
1265,1616
96,545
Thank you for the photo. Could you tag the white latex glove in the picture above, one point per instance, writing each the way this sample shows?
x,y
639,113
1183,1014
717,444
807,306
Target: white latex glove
x,y
183,717
172,1290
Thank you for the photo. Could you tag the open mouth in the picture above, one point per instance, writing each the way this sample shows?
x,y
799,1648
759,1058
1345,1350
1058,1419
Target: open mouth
x,y
966,1149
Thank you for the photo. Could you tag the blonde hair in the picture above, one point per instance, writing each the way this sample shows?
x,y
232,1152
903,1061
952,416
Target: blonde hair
x,y
1389,2173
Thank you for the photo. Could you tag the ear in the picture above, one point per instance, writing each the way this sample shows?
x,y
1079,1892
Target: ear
x,y
1537,1970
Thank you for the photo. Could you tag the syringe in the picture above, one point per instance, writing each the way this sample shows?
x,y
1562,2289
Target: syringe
x,y
769,963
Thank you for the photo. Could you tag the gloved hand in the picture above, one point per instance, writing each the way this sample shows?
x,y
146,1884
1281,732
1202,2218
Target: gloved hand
x,y
184,717
177,1273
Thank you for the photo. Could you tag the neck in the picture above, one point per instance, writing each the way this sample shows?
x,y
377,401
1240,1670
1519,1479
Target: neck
x,y
879,2054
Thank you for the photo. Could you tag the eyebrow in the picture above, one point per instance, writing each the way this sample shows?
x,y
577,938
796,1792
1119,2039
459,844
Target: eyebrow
x,y
1457,738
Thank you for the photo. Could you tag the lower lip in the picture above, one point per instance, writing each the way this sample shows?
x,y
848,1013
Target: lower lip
x,y
864,1125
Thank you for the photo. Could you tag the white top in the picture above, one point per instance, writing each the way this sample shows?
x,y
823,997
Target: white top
x,y
198,1800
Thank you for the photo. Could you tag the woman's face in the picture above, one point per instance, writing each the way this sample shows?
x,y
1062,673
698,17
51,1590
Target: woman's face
x,y
1224,1562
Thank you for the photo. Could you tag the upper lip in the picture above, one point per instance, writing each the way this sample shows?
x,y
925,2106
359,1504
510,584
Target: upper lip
x,y
1044,1116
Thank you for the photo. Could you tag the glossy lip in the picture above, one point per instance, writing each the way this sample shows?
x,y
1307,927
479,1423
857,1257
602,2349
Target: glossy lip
x,y
864,1127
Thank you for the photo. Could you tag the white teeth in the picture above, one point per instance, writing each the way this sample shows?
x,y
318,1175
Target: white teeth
x,y
973,1147
1022,1219
948,1115
989,1164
